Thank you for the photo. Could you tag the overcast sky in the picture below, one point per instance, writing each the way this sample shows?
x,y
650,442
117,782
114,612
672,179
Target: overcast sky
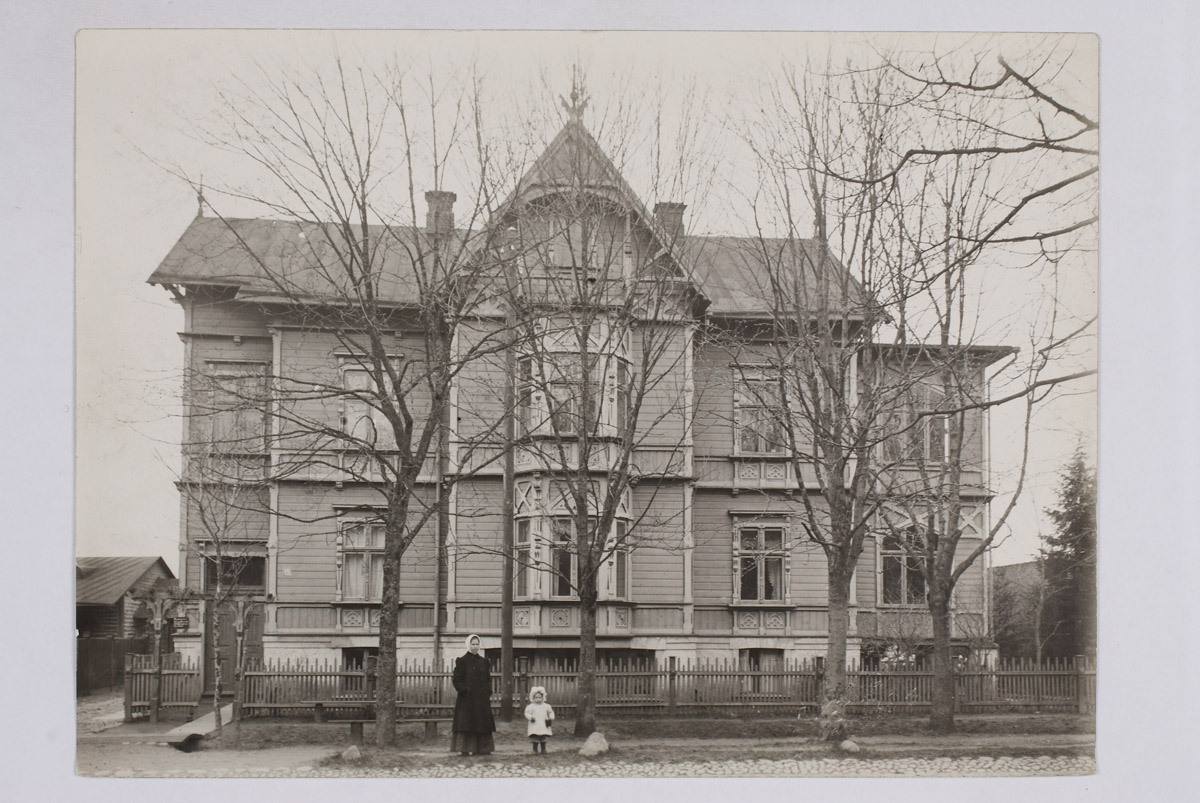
x,y
143,95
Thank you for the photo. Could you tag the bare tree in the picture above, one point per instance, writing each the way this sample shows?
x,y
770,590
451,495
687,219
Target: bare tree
x,y
365,304
913,183
974,194
809,366
603,315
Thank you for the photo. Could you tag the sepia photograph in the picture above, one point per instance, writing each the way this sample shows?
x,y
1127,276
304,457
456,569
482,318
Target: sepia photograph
x,y
518,404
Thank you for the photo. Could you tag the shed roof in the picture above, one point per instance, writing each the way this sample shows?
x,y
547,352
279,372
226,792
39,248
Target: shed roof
x,y
103,581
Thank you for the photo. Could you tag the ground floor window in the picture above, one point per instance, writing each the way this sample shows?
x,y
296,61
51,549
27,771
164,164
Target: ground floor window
x,y
903,568
360,555
760,557
240,574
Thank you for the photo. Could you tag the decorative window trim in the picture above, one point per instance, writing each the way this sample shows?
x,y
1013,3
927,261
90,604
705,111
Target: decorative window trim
x,y
770,555
380,434
747,404
217,372
370,554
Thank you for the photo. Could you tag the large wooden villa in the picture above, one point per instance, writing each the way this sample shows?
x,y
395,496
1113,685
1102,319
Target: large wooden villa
x,y
714,560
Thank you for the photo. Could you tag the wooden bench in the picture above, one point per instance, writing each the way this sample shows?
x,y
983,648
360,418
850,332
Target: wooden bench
x,y
356,726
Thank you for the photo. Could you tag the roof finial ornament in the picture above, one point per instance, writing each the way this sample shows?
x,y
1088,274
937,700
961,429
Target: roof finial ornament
x,y
200,198
579,99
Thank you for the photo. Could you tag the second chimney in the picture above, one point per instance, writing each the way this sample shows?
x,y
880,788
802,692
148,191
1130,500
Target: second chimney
x,y
439,219
669,216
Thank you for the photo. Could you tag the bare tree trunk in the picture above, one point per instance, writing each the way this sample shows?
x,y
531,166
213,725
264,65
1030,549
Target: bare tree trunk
x,y
834,690
389,619
585,712
215,642
941,716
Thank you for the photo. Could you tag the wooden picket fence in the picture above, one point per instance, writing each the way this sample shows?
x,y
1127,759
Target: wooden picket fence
x,y
174,684
668,688
681,688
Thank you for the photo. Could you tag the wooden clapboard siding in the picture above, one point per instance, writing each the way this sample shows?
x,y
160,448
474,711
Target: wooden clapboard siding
x,y
713,427
209,313
288,617
657,566
478,532
307,554
809,582
481,385
712,575
867,577
248,518
968,593
315,357
223,349
662,417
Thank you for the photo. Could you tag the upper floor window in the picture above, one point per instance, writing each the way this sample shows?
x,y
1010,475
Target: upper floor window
x,y
360,558
760,555
362,417
902,567
757,414
237,401
916,431
554,399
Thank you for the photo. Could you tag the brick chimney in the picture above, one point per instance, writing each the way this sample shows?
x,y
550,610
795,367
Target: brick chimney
x,y
439,219
669,216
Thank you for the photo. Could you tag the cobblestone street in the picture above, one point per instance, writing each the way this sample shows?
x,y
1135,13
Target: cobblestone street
x,y
156,761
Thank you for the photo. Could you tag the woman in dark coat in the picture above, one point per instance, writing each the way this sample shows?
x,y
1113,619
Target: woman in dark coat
x,y
473,722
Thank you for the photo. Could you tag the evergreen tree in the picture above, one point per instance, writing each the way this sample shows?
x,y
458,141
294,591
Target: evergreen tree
x,y
1070,562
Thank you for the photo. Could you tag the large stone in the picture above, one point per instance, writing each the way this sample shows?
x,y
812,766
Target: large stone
x,y
594,746
848,746
352,753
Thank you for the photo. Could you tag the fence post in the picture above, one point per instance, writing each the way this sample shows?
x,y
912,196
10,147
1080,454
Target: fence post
x,y
369,664
1080,684
128,687
672,686
155,689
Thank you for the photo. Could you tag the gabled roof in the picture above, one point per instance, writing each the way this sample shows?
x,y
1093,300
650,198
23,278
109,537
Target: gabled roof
x,y
735,272
281,258
103,581
730,272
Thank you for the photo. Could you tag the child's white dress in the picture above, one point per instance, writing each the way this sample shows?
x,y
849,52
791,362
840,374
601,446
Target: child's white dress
x,y
539,717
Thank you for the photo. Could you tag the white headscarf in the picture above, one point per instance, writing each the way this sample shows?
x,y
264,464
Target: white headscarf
x,y
470,638
535,690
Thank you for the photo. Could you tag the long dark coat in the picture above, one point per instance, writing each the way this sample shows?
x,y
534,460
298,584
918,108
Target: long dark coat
x,y
473,682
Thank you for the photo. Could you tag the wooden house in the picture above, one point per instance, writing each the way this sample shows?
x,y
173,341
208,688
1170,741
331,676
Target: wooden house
x,y
715,563
106,591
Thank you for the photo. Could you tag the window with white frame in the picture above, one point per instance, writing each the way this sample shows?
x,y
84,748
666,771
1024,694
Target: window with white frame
x,y
757,417
362,418
523,558
620,414
902,567
916,431
360,561
551,398
620,561
760,558
237,401
564,563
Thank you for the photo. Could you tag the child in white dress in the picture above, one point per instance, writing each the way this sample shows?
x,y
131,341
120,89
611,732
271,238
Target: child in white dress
x,y
540,715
